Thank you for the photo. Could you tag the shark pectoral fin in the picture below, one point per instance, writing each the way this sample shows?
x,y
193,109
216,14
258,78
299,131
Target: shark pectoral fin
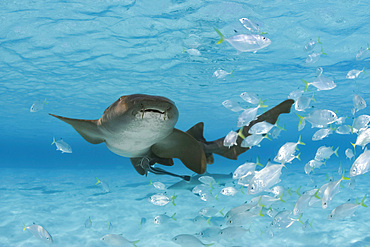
x,y
88,129
184,147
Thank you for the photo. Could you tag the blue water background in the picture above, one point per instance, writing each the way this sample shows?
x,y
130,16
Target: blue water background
x,y
83,55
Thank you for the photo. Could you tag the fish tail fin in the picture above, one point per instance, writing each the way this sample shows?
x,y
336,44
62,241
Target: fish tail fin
x,y
325,162
336,152
240,133
261,104
297,191
316,194
135,242
362,202
260,212
209,220
47,102
173,199
301,119
241,190
363,70
209,244
322,52
311,224
343,177
24,226
281,197
216,196
267,137
299,219
222,209
53,141
354,147
313,97
300,142
270,116
279,127
222,39
318,40
298,157
97,181
173,217
306,85
232,72
289,191
258,162
259,203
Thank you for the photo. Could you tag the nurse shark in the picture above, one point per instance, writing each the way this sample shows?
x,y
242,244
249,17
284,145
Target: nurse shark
x,y
142,127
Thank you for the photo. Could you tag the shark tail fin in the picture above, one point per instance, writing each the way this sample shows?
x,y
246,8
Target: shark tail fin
x,y
270,116
88,129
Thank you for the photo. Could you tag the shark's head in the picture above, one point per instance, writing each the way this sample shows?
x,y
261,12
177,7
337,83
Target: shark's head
x,y
142,111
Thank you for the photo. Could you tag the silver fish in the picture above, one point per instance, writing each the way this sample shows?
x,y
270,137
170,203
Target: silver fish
x,y
39,232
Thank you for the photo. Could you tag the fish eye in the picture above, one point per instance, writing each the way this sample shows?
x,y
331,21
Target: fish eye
x,y
264,38
230,221
175,239
102,239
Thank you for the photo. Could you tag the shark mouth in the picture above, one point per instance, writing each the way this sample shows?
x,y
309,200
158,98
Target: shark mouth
x,y
153,110
162,114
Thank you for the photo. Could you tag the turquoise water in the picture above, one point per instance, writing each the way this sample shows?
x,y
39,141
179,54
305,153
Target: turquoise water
x,y
81,56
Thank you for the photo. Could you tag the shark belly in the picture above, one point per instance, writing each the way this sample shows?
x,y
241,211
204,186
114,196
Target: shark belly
x,y
135,142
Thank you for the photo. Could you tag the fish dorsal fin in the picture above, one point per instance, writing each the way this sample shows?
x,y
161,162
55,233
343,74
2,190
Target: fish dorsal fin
x,y
197,132
183,146
88,129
